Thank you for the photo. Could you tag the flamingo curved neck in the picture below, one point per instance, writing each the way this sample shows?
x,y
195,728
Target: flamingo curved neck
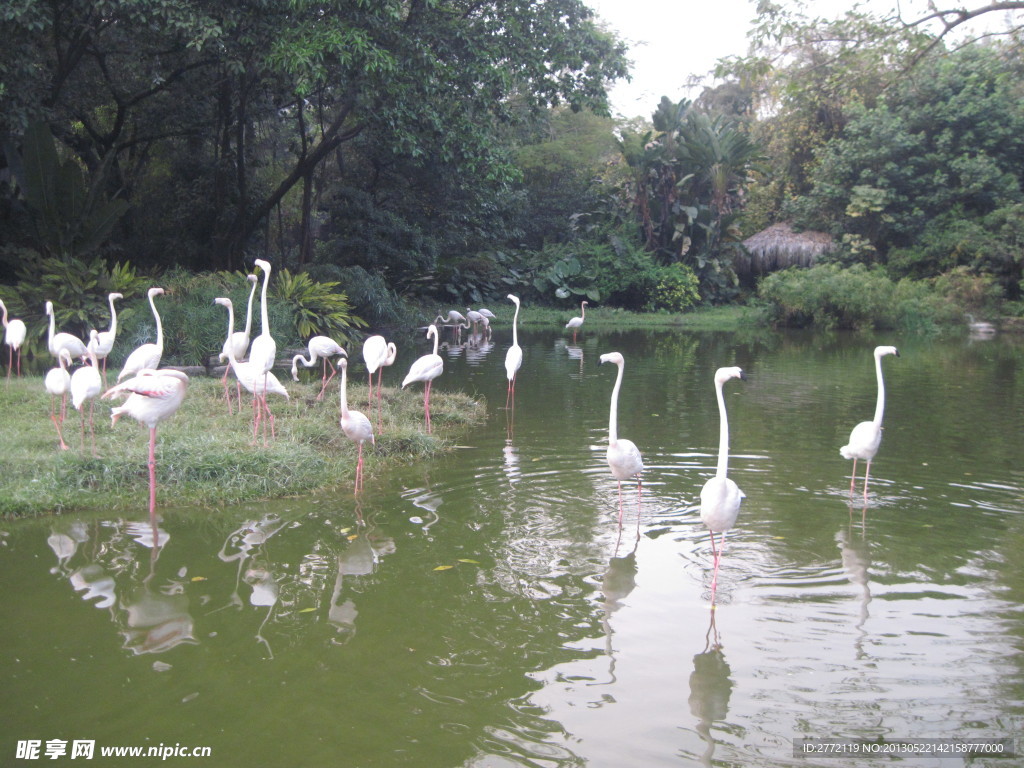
x,y
434,333
344,386
113,315
515,334
231,328
880,403
264,319
723,434
159,325
613,414
583,311
49,311
248,312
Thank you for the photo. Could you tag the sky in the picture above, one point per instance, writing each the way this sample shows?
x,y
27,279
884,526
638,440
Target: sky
x,y
670,40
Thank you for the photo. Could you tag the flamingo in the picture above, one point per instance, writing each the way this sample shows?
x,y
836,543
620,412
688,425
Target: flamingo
x,y
514,356
623,456
867,436
58,382
105,339
455,320
474,317
154,397
426,369
319,346
487,313
720,497
146,356
980,327
239,343
14,337
264,348
377,354
354,424
576,322
86,385
55,342
253,379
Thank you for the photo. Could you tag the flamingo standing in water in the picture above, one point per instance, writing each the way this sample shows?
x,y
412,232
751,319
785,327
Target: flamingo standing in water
x,y
576,322
264,348
455,320
105,339
378,353
14,337
867,436
426,369
253,379
146,356
58,383
354,424
55,342
154,396
319,347
238,341
86,386
720,497
514,356
624,458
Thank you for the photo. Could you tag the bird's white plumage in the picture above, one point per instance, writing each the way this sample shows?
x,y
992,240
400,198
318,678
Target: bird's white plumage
x,y
264,348
720,497
576,322
58,381
514,356
105,339
354,424
866,437
624,457
251,377
14,330
146,356
318,347
427,367
239,340
55,342
153,396
86,382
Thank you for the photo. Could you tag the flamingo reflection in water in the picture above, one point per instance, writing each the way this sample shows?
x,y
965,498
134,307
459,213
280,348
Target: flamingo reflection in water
x,y
710,688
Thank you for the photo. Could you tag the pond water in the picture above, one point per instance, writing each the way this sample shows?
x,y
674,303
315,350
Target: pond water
x,y
486,609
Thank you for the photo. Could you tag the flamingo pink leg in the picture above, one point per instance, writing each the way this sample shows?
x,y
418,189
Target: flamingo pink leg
x,y
426,405
53,418
152,478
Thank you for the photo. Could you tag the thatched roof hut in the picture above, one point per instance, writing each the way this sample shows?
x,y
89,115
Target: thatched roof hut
x,y
778,247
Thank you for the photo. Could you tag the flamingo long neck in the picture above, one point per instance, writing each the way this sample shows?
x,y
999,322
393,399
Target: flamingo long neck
x,y
583,310
90,349
264,319
515,319
4,307
344,386
231,328
433,331
880,403
113,315
159,325
248,312
49,341
613,414
723,433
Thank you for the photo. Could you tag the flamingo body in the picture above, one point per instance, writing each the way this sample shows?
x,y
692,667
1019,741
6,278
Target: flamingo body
x,y
426,369
146,356
58,383
239,340
55,342
264,348
576,322
514,356
14,337
624,457
86,385
354,424
105,339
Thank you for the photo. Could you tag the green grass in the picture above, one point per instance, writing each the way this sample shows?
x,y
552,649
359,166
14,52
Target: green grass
x,y
204,456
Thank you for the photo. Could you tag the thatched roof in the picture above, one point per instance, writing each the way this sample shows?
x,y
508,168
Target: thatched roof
x,y
778,247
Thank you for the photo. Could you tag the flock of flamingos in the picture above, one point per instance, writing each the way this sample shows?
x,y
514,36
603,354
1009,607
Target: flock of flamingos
x,y
154,394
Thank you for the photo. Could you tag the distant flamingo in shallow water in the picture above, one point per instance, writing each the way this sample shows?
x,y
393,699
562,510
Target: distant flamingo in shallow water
x,y
576,322
623,456
514,356
866,437
720,497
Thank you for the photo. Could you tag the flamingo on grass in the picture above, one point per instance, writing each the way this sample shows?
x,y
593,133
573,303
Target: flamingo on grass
x,y
86,385
238,341
58,383
354,424
378,353
14,337
319,347
426,369
146,356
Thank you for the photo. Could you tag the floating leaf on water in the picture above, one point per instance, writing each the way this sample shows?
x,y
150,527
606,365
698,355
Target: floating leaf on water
x,y
307,610
353,537
444,567
467,560
198,578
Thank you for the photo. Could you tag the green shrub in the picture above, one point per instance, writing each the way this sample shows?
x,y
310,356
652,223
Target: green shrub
x,y
828,296
677,290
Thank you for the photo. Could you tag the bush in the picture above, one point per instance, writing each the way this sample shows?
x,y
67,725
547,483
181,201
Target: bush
x,y
828,296
677,290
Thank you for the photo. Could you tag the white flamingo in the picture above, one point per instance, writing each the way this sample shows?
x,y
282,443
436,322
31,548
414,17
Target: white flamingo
x,y
239,343
455,320
105,339
576,322
58,384
319,347
514,356
146,356
378,353
86,386
720,497
426,369
624,458
154,396
253,379
55,342
866,437
354,424
14,337
264,348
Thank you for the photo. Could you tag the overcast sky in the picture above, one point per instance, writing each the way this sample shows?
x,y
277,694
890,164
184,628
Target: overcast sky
x,y
670,40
